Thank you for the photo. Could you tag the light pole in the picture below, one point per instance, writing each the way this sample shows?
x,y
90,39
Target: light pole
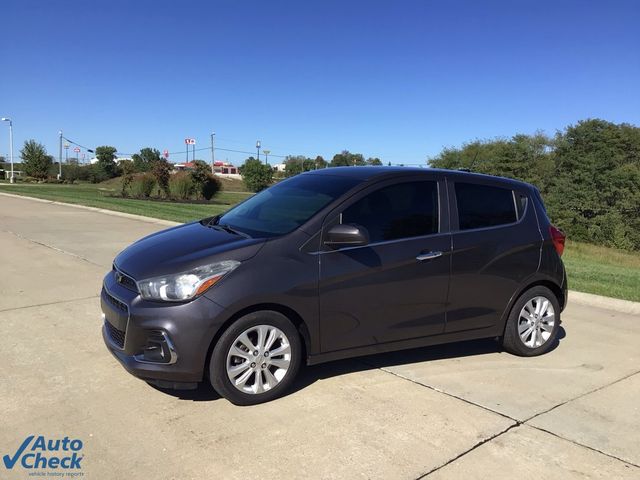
x,y
266,156
66,153
213,151
258,147
60,157
5,119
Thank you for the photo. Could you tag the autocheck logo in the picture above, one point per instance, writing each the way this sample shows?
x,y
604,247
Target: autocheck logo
x,y
42,453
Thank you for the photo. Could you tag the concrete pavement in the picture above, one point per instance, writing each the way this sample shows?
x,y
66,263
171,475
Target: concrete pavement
x,y
458,411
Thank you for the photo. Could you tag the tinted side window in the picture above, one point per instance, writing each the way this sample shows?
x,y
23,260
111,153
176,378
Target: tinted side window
x,y
397,211
484,206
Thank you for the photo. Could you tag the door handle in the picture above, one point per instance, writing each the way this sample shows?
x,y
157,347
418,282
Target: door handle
x,y
428,256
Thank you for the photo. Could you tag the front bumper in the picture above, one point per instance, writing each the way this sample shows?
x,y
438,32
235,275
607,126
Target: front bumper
x,y
184,330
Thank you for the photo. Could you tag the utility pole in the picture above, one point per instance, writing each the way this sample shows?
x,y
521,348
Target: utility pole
x,y
5,119
258,147
60,157
213,154
266,156
66,153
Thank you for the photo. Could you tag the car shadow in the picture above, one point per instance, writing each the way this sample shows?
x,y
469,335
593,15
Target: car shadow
x,y
311,374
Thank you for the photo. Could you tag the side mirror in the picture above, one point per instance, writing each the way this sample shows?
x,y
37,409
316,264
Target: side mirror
x,y
346,235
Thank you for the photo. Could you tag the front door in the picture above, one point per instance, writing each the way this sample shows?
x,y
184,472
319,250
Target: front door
x,y
394,288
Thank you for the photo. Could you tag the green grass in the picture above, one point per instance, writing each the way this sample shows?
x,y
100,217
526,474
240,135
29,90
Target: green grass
x,y
590,268
603,271
100,196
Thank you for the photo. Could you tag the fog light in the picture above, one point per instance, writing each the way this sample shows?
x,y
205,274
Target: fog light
x,y
158,349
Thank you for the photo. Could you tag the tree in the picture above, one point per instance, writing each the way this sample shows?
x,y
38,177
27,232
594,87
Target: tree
x,y
143,161
295,164
35,160
374,161
161,171
106,165
320,162
256,175
347,159
588,174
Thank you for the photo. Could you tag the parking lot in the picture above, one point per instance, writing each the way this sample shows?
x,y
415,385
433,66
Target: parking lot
x,y
464,410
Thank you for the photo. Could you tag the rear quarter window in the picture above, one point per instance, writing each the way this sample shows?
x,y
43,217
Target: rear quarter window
x,y
482,206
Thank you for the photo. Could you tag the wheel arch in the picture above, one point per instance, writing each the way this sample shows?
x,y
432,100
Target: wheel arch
x,y
288,312
540,282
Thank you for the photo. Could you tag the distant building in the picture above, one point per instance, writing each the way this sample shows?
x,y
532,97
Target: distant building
x,y
184,166
94,160
225,168
280,167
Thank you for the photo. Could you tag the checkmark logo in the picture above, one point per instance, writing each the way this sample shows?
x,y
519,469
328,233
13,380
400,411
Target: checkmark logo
x,y
10,462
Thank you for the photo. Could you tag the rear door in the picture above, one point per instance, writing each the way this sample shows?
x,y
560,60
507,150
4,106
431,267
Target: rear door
x,y
395,288
496,246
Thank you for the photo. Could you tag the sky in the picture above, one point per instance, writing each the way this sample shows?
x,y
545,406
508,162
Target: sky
x,y
398,80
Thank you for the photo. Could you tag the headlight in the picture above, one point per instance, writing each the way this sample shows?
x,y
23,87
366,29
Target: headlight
x,y
185,285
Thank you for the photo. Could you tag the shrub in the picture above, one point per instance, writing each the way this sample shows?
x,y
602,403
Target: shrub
x,y
181,185
256,175
161,171
142,185
210,187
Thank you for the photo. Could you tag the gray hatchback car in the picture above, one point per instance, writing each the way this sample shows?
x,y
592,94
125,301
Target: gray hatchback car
x,y
331,264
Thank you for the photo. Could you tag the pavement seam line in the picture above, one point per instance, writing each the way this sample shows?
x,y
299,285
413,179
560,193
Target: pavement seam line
x,y
517,422
626,462
597,389
59,250
47,304
462,454
435,389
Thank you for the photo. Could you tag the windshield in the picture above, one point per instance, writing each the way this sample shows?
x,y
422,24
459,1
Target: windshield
x,y
287,205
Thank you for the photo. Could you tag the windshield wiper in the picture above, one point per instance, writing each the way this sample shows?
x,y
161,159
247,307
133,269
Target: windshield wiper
x,y
212,222
229,229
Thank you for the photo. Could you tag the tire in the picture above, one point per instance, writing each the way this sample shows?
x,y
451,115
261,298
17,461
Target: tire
x,y
262,377
528,335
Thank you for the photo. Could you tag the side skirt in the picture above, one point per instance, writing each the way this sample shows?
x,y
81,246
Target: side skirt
x,y
404,345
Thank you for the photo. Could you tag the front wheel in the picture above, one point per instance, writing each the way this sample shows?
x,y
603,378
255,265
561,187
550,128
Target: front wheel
x,y
533,323
256,359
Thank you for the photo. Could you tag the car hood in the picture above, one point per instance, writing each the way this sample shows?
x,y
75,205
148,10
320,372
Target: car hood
x,y
182,248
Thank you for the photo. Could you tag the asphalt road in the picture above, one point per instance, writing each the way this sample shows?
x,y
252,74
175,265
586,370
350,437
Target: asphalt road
x,y
460,411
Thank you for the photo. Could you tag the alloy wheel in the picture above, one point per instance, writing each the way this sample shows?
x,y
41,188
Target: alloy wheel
x,y
259,358
536,322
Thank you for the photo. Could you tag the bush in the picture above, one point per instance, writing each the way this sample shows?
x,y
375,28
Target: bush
x,y
96,174
181,185
142,185
256,175
161,171
210,187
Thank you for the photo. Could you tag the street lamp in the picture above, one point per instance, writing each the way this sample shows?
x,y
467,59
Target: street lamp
x,y
60,157
266,156
213,151
5,119
258,147
66,152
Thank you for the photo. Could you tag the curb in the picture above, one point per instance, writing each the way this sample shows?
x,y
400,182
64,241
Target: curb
x,y
591,300
114,213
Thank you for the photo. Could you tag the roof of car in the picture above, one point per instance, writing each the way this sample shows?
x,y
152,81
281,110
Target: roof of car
x,y
380,172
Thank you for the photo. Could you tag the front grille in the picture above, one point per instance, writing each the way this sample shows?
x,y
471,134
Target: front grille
x,y
125,280
115,302
116,335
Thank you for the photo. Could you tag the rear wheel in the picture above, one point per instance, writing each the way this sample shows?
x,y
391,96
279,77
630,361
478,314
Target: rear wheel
x,y
256,359
532,326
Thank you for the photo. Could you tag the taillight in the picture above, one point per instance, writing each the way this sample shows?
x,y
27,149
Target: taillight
x,y
557,237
